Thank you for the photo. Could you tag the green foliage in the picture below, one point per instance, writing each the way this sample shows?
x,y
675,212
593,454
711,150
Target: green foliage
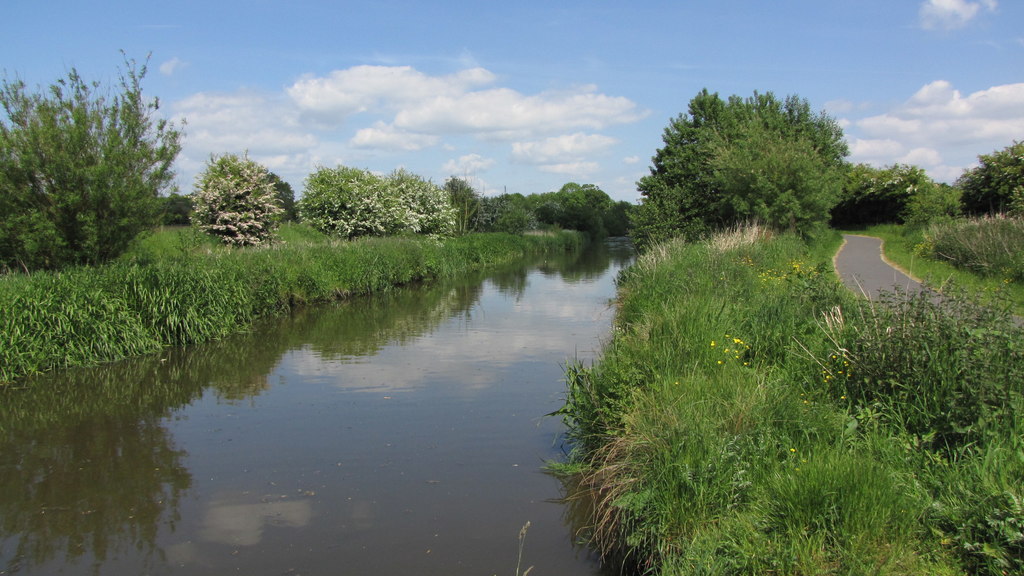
x,y
81,170
285,199
694,186
350,203
894,194
509,213
996,183
466,201
582,207
779,181
946,371
175,210
235,200
989,246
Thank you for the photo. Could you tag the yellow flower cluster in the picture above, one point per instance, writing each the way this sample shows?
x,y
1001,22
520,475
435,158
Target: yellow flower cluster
x,y
836,367
733,349
796,269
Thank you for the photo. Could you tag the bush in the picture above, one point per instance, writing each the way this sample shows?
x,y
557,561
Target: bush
x,y
80,171
350,202
235,199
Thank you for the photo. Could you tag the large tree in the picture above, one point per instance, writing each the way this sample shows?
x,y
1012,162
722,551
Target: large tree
x,y
81,169
726,161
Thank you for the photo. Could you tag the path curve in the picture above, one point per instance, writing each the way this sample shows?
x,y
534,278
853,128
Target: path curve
x,y
862,267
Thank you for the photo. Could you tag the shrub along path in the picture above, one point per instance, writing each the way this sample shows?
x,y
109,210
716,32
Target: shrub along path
x,y
862,268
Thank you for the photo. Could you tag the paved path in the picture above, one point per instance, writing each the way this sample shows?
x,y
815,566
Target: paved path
x,y
862,268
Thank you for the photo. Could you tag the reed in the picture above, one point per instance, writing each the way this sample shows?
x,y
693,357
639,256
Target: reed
x,y
175,289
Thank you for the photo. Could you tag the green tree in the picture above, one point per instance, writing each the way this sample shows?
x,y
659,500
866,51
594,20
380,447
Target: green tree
x,y
176,210
466,201
616,219
285,198
81,169
991,187
235,199
690,189
775,180
505,213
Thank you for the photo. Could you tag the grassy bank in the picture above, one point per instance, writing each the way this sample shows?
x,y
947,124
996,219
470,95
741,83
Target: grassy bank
x,y
176,289
750,416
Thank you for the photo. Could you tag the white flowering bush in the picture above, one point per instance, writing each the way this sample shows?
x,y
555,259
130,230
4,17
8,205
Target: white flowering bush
x,y
428,207
350,202
234,198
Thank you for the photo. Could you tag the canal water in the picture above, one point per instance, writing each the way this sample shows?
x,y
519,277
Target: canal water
x,y
394,435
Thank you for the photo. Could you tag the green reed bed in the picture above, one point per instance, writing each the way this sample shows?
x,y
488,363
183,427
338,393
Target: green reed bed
x,y
750,416
182,291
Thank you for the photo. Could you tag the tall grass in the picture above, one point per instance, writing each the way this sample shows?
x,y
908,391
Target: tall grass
x,y
750,416
991,246
176,289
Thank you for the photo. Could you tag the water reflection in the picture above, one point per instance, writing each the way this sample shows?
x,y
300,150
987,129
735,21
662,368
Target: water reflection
x,y
154,463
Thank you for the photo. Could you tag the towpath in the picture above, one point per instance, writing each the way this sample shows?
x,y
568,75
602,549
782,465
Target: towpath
x,y
862,267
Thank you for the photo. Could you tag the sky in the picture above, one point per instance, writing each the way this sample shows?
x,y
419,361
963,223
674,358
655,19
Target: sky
x,y
523,97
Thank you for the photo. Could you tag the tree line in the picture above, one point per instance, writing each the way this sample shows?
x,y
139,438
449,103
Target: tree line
x,y
84,171
779,162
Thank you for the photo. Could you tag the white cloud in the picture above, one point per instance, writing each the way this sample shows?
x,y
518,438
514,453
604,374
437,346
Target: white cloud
x,y
572,169
374,116
386,137
630,160
940,129
922,157
378,88
951,14
558,149
506,114
171,66
468,165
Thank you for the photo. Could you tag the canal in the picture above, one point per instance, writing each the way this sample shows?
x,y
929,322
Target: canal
x,y
399,434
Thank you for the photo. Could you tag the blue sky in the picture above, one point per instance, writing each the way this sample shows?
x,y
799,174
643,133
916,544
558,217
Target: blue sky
x,y
526,96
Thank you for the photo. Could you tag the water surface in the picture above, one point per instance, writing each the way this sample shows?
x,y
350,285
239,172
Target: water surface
x,y
399,434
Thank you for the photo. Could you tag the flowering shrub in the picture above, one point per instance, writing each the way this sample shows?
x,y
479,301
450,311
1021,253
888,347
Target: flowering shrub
x,y
350,202
235,199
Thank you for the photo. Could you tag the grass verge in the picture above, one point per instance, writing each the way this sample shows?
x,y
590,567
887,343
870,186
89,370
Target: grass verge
x,y
175,288
751,416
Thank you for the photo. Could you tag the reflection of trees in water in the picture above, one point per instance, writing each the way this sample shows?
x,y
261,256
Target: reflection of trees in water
x,y
89,473
87,470
87,491
591,263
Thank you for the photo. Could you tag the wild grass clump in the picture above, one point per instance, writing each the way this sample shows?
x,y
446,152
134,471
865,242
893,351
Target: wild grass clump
x,y
173,290
750,416
991,245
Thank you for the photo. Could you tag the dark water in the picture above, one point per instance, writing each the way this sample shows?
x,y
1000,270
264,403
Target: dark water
x,y
402,434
